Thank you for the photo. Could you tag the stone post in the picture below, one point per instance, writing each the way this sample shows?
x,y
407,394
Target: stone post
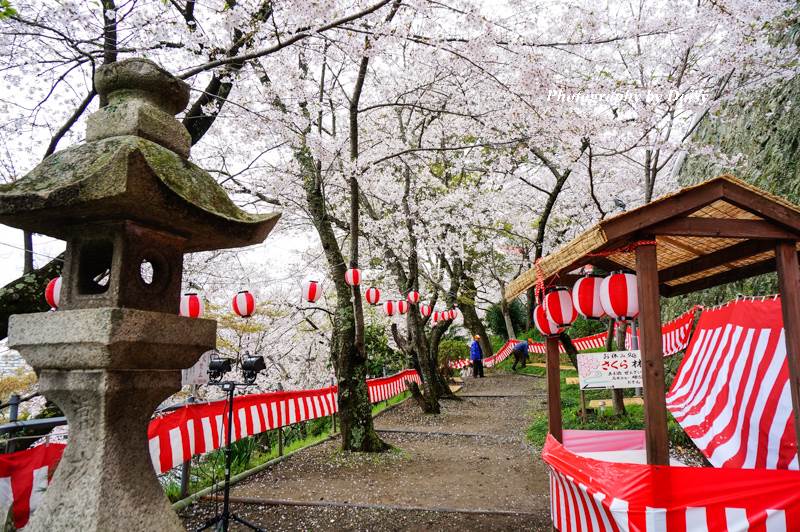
x,y
129,204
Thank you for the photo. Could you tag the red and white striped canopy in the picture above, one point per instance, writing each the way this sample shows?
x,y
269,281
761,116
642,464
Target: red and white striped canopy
x,y
244,304
191,305
312,291
390,307
545,325
558,306
619,296
425,309
586,297
353,277
402,306
52,294
413,297
372,295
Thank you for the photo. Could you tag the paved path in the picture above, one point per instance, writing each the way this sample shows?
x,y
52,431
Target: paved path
x,y
469,468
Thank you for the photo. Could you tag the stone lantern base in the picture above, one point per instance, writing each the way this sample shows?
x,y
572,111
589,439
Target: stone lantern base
x,y
97,366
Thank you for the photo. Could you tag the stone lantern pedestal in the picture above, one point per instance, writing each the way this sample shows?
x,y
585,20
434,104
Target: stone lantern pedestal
x,y
129,204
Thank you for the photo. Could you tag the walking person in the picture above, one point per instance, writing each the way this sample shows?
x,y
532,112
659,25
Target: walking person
x,y
476,355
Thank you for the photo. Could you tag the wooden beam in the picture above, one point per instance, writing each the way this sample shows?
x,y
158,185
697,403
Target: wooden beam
x,y
553,389
655,404
751,270
738,251
789,283
722,228
680,204
754,202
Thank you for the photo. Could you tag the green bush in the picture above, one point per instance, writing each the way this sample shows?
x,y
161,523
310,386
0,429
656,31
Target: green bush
x,y
453,350
497,324
379,355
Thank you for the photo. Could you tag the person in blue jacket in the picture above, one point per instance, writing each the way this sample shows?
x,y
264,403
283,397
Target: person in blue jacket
x,y
476,356
520,351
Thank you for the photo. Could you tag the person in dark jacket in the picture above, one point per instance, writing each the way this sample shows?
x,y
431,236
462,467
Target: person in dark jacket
x,y
476,356
520,351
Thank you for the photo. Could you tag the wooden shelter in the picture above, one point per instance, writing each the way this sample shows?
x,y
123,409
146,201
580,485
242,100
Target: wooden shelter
x,y
716,232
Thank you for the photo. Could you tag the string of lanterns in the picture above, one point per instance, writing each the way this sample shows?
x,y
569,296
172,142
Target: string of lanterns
x,y
593,297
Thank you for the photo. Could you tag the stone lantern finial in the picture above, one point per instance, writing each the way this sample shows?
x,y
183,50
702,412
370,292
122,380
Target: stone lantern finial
x,y
129,204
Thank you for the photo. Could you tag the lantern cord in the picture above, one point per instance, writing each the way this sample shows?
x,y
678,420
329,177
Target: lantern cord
x,y
539,290
31,252
624,249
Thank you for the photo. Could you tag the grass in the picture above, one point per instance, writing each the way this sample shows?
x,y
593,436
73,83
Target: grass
x,y
602,419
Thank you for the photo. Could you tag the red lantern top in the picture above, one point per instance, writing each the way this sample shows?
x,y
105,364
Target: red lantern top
x,y
244,304
353,277
372,295
545,325
191,305
558,306
586,297
619,296
52,294
312,291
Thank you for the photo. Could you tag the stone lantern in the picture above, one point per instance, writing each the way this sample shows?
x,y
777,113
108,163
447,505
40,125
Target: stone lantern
x,y
129,204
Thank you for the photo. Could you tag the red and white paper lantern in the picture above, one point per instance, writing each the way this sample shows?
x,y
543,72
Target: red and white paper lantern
x,y
453,313
312,291
545,325
425,309
372,295
402,306
413,297
586,297
244,304
619,296
191,305
353,277
390,307
437,316
558,306
52,294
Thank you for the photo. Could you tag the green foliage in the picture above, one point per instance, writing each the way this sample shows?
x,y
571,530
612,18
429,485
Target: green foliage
x,y
496,323
379,354
453,349
6,9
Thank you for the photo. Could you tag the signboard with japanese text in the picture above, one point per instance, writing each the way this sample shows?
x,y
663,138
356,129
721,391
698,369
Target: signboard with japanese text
x,y
197,374
614,369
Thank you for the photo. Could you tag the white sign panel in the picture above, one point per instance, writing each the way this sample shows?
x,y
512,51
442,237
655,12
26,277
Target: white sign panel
x,y
197,374
614,369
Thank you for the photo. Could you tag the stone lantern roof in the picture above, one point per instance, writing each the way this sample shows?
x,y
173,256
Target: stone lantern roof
x,y
133,167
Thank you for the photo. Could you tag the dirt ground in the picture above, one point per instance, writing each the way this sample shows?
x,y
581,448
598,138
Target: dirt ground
x,y
469,468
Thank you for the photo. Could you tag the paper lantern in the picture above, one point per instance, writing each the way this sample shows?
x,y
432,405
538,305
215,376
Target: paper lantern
x,y
437,316
413,297
372,295
353,277
390,307
52,294
244,304
312,291
191,305
619,296
453,313
545,325
586,297
425,310
558,306
402,306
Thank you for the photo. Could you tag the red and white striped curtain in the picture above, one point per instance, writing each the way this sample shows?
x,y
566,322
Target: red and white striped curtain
x,y
24,476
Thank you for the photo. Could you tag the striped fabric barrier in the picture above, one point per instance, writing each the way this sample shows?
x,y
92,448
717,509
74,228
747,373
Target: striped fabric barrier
x,y
588,495
731,393
460,363
501,354
24,476
196,429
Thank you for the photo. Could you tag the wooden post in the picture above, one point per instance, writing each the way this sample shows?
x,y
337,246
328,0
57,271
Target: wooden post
x,y
280,441
789,285
655,404
553,388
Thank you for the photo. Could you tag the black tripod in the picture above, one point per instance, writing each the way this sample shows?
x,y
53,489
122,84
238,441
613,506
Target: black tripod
x,y
226,516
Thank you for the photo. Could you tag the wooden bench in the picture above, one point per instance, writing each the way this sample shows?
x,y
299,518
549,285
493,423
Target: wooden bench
x,y
602,403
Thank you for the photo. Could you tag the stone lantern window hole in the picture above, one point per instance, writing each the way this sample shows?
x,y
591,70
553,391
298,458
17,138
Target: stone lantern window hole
x,y
146,272
95,266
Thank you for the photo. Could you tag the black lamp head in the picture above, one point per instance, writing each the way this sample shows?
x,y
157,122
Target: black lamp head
x,y
252,365
217,367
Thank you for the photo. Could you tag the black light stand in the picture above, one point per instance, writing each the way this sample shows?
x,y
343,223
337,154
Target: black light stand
x,y
215,374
